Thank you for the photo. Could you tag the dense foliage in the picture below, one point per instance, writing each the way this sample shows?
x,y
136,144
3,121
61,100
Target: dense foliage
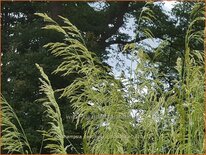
x,y
167,115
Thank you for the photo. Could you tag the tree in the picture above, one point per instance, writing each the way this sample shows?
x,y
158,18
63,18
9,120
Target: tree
x,y
22,47
98,95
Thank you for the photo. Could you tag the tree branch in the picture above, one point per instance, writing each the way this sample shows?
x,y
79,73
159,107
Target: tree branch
x,y
116,19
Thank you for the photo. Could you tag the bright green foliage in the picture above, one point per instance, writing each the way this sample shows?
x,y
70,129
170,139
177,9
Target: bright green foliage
x,y
22,47
13,137
96,96
167,120
170,120
191,105
55,134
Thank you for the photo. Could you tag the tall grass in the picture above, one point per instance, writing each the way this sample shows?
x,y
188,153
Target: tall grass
x,y
55,134
164,121
172,121
99,107
13,138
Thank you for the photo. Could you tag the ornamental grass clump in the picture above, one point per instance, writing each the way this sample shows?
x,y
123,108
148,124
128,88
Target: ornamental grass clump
x,y
171,120
142,116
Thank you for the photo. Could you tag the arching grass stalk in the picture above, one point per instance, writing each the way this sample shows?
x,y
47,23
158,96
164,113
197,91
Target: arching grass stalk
x,y
14,139
95,95
171,121
167,121
55,134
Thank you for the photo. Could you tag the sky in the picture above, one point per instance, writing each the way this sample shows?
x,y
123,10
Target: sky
x,y
169,5
118,60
